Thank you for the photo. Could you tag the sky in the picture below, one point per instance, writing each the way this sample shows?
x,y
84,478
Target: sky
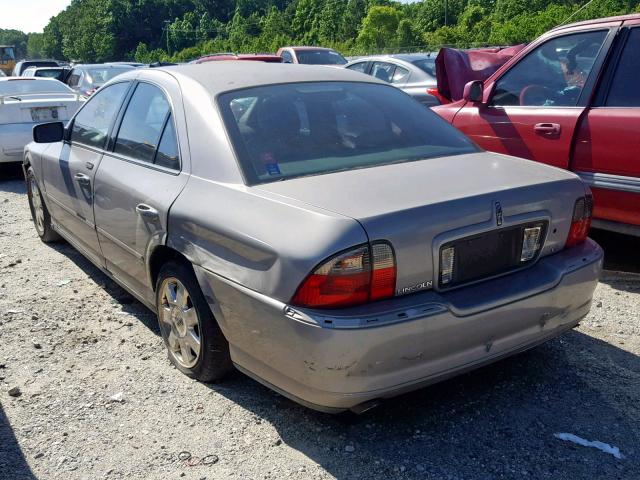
x,y
29,15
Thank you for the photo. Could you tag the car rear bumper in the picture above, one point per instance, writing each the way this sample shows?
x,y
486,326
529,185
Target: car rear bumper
x,y
333,361
13,138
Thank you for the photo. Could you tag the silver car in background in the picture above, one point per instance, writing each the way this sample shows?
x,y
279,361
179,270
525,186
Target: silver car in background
x,y
25,102
314,227
87,78
413,73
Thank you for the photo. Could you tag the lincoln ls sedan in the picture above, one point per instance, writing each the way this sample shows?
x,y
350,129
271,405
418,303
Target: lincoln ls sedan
x,y
315,228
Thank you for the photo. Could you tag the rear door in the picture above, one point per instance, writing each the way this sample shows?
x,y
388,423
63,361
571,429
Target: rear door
x,y
138,180
608,140
534,105
69,178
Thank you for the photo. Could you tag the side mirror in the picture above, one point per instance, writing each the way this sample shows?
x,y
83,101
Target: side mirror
x,y
473,91
48,132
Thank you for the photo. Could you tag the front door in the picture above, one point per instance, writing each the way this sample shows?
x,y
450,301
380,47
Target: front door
x,y
535,105
138,180
69,178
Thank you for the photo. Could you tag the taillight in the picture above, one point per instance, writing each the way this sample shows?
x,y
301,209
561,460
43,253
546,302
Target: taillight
x,y
441,98
581,222
350,278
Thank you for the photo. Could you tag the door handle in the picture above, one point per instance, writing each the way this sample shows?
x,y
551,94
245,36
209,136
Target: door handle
x,y
82,179
146,211
547,128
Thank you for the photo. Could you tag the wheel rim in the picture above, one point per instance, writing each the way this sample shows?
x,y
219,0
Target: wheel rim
x,y
36,203
179,322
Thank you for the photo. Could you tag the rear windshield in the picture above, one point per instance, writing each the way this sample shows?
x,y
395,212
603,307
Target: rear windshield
x,y
320,57
293,130
427,65
99,76
49,73
18,87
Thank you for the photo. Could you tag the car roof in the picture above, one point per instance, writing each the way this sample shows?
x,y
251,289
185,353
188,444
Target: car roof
x,y
619,18
35,67
218,77
28,79
307,47
103,65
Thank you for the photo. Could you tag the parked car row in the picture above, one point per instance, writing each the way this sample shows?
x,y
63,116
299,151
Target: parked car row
x,y
321,231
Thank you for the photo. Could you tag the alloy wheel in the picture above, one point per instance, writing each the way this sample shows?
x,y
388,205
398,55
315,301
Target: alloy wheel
x,y
179,322
38,207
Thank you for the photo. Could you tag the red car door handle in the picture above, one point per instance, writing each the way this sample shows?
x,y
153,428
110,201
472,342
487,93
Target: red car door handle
x,y
547,128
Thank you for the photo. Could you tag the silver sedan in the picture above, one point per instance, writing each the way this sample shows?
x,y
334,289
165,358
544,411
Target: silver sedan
x,y
313,227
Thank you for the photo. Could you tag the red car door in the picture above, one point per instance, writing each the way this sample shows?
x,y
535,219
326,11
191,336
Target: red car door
x,y
608,139
533,103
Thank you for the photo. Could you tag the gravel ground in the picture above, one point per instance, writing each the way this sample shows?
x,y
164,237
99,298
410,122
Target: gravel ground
x,y
99,399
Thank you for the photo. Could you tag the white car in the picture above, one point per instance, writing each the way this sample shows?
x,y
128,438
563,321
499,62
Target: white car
x,y
25,102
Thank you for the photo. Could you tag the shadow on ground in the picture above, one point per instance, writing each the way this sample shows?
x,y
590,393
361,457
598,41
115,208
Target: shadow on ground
x,y
496,422
620,251
13,465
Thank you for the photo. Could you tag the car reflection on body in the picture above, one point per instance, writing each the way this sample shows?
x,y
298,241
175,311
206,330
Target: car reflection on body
x,y
313,227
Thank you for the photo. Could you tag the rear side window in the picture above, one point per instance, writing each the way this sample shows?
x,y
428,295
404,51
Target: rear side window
x,y
167,154
143,123
286,57
358,67
551,75
400,75
383,71
91,125
624,90
74,79
299,129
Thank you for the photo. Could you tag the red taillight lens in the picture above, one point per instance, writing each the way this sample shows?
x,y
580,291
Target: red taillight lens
x,y
582,213
350,278
441,98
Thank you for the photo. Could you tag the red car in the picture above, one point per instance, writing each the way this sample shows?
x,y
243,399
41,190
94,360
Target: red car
x,y
257,57
569,99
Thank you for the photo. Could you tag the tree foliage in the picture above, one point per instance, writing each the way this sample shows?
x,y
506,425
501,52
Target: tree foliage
x,y
149,30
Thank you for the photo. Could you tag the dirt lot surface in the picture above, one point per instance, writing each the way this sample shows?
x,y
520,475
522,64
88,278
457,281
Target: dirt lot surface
x,y
99,399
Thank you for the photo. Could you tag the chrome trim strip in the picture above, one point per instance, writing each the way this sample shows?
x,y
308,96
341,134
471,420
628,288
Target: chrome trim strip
x,y
69,210
618,227
611,182
120,243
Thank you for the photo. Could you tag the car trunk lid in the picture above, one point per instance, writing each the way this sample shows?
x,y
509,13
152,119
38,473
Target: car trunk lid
x,y
423,206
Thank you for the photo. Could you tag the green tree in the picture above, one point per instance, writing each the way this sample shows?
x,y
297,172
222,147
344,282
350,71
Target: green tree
x,y
379,27
35,45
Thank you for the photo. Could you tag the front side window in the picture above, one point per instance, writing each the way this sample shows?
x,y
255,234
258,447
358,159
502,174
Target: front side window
x,y
551,75
292,130
143,123
91,125
624,90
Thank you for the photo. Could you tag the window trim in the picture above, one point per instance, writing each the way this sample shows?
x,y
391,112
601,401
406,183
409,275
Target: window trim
x,y
110,148
109,130
590,83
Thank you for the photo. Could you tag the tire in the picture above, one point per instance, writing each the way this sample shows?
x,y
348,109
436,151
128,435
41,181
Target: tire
x,y
186,319
39,212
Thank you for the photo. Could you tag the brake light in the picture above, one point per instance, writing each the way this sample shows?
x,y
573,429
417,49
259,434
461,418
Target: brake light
x,y
441,98
581,222
350,278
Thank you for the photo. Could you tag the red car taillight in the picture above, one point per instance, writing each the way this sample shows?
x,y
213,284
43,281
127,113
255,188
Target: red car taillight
x,y
350,278
441,98
581,222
